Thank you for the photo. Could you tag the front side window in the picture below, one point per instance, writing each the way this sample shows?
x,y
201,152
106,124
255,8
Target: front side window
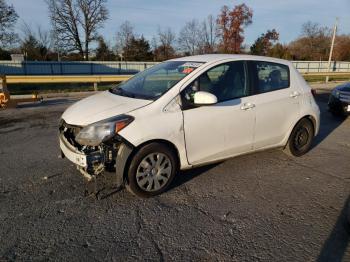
x,y
154,82
226,81
269,76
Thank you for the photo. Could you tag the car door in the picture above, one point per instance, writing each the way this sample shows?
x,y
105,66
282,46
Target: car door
x,y
225,129
276,100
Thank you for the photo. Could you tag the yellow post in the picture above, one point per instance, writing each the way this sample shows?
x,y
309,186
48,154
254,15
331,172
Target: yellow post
x,y
5,99
4,94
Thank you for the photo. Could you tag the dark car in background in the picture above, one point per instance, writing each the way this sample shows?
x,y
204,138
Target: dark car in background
x,y
339,100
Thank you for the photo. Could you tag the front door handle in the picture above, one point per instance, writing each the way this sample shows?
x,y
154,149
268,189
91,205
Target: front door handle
x,y
247,106
294,94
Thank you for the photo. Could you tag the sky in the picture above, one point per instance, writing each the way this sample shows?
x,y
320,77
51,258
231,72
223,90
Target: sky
x,y
286,16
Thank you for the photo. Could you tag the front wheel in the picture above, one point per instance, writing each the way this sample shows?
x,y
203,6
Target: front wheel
x,y
300,139
151,170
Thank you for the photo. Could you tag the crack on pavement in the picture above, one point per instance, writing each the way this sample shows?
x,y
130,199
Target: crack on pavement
x,y
216,219
159,251
258,188
138,221
318,171
8,191
8,122
195,204
2,132
310,167
141,226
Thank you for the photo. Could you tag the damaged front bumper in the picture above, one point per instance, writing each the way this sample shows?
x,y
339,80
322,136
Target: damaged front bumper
x,y
89,165
92,161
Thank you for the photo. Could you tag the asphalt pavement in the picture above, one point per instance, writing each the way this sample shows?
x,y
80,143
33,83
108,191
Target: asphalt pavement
x,y
265,206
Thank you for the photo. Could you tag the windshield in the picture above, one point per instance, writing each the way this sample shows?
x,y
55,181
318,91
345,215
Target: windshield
x,y
155,81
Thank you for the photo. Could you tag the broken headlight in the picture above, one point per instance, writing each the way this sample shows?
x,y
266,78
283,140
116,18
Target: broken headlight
x,y
96,133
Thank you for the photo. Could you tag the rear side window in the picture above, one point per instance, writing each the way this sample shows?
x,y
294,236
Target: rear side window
x,y
268,77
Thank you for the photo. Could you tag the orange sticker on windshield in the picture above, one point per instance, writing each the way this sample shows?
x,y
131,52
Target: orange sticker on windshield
x,y
187,70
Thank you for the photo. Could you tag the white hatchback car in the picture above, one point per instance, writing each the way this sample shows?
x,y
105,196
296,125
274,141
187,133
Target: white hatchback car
x,y
188,112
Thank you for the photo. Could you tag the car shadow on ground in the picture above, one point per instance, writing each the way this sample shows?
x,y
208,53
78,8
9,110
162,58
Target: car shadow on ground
x,y
187,175
328,122
338,240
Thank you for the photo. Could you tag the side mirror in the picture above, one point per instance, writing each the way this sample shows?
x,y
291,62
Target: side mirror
x,y
204,98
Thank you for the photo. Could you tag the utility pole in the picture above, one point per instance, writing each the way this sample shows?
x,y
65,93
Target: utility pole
x,y
332,46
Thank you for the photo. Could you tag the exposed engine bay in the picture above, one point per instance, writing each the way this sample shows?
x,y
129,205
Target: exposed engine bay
x,y
98,158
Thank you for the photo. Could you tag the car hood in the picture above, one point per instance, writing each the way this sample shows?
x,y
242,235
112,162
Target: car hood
x,y
344,87
99,107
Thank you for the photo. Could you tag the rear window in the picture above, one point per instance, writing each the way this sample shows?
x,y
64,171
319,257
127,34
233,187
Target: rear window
x,y
268,77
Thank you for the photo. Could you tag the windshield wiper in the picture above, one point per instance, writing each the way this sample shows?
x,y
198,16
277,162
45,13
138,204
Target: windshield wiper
x,y
121,91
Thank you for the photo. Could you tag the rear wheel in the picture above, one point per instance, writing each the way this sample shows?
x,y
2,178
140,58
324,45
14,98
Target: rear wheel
x,y
152,170
300,139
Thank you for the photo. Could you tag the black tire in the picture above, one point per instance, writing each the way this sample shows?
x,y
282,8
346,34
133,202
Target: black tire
x,y
300,139
338,112
147,150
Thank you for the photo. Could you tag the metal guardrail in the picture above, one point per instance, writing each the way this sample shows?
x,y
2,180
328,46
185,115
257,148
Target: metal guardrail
x,y
331,74
125,68
321,66
114,78
66,79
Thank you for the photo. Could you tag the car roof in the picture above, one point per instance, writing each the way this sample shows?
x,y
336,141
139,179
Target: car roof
x,y
210,58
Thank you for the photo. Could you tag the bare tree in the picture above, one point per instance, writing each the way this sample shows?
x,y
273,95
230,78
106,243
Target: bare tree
x,y
42,36
313,43
208,35
154,43
342,48
190,38
198,38
34,43
76,23
124,36
8,19
313,32
166,41
166,37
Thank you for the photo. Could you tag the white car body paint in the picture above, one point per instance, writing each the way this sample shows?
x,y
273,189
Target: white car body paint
x,y
204,98
207,133
99,107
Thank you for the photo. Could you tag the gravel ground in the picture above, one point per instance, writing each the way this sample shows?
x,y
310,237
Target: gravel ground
x,y
260,207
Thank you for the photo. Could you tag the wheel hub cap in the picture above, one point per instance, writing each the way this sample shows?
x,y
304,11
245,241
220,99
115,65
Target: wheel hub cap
x,y
153,172
301,138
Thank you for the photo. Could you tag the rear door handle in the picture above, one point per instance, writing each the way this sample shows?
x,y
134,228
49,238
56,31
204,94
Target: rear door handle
x,y
294,94
247,106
